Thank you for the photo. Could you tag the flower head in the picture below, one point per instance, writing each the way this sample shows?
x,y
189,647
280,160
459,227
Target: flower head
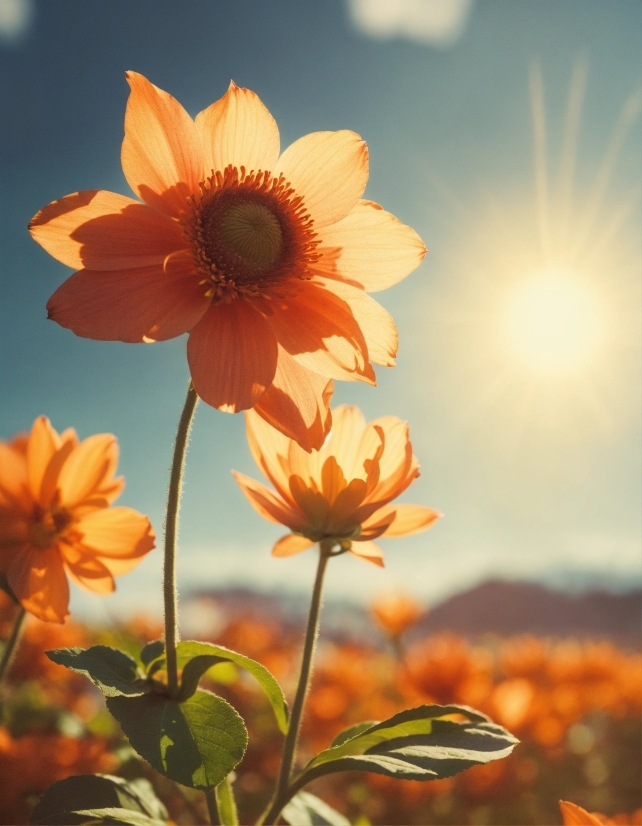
x,y
264,258
340,493
56,519
396,612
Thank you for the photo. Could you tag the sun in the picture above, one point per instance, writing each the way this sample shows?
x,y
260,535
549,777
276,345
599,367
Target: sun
x,y
554,322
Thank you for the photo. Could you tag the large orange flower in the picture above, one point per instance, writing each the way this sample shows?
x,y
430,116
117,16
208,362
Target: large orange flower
x,y
55,518
264,258
340,493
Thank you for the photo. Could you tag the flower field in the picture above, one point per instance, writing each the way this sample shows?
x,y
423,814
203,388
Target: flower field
x,y
575,706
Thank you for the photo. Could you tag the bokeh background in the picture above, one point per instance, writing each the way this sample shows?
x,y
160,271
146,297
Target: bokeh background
x,y
507,134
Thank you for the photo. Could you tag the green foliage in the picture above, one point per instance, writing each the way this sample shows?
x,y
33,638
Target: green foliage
x,y
306,809
225,802
417,744
100,798
196,742
112,671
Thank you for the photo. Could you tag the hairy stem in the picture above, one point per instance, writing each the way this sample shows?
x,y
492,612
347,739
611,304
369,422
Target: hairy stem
x,y
226,803
212,808
12,643
289,747
171,532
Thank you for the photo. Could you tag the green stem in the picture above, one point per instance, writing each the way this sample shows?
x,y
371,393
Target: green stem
x,y
171,532
212,808
226,803
309,646
12,643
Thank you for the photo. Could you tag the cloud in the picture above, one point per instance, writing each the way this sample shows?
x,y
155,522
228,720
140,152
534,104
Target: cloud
x,y
433,22
15,19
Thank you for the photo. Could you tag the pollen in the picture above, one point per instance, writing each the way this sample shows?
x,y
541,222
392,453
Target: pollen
x,y
252,231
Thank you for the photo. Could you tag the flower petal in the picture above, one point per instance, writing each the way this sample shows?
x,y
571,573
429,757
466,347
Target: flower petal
x,y
37,578
290,545
161,153
232,354
318,329
43,444
297,403
348,425
397,465
88,571
238,130
368,551
575,815
89,467
14,483
370,248
406,519
376,323
116,533
99,230
329,170
145,304
269,448
267,505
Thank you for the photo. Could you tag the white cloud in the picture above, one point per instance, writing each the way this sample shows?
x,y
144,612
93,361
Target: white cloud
x,y
15,19
434,22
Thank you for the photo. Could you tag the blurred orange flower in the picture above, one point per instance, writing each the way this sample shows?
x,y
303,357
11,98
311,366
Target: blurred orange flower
x,y
341,492
55,518
575,815
263,258
396,612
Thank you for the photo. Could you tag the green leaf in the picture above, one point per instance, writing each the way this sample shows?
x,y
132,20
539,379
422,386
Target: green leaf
x,y
120,817
67,801
151,651
226,803
114,672
352,731
196,742
417,744
195,658
306,809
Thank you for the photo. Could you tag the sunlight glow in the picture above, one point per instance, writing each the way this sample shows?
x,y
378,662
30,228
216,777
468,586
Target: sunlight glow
x,y
554,322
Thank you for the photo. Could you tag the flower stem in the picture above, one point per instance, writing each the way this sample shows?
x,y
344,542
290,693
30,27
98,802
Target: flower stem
x,y
309,647
171,532
212,808
12,643
225,802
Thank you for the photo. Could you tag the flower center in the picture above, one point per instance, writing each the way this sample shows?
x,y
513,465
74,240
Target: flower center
x,y
252,231
249,234
48,525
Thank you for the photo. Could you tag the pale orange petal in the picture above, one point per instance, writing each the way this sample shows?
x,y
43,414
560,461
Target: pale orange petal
x,y
268,505
329,170
238,130
89,467
43,444
370,248
99,230
348,425
290,545
575,815
269,448
144,304
376,323
232,355
49,484
318,329
397,465
407,519
368,551
37,578
89,572
311,502
116,533
161,153
14,483
297,403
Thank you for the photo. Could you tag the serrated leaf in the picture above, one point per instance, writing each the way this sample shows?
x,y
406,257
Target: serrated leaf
x,y
62,802
352,731
306,809
195,658
117,817
112,671
417,744
196,742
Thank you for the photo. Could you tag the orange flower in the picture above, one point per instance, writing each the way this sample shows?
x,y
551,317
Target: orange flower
x,y
55,518
396,612
341,492
575,815
263,258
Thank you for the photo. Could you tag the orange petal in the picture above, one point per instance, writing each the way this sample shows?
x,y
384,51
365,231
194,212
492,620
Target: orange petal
x,y
90,573
368,551
238,130
311,502
161,153
329,170
575,815
37,578
43,444
407,519
49,484
267,505
145,304
348,425
269,448
290,545
376,524
116,533
98,230
232,354
88,468
397,465
14,483
318,329
370,248
297,403
376,323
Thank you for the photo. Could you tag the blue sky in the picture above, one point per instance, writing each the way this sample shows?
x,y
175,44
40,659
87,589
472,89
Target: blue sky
x,y
536,466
